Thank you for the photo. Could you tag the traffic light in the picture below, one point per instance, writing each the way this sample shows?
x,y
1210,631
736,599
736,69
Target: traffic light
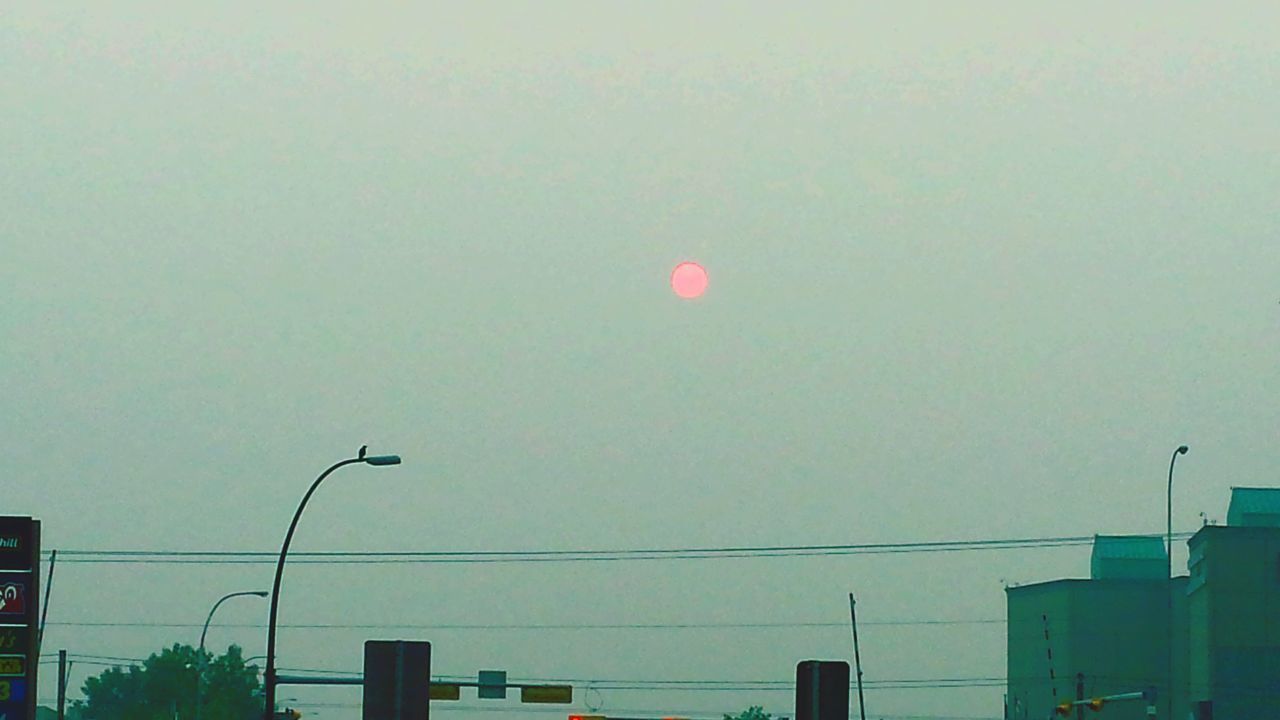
x,y
288,714
1063,709
1097,703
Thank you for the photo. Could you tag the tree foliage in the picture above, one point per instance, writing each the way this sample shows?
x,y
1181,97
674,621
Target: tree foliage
x,y
755,712
164,687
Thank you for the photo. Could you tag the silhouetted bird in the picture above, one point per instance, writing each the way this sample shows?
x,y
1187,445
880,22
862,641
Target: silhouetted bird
x,y
363,450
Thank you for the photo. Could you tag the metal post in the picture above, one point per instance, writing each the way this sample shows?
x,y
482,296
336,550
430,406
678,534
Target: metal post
x,y
201,666
857,659
62,684
44,614
399,701
815,692
1181,450
269,675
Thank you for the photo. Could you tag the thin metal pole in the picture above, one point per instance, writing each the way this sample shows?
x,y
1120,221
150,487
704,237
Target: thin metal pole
x,y
1181,450
857,659
815,694
44,614
269,676
201,666
62,684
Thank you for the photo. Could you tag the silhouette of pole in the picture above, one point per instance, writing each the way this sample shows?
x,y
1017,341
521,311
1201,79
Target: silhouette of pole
x,y
857,659
201,666
1182,450
269,676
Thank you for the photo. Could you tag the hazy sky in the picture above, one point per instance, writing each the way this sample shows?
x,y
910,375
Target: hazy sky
x,y
975,271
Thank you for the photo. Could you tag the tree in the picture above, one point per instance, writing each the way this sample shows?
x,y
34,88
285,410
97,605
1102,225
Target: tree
x,y
164,687
755,712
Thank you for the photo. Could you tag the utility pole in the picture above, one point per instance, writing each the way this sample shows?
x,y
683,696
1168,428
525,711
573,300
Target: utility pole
x,y
44,614
857,659
62,685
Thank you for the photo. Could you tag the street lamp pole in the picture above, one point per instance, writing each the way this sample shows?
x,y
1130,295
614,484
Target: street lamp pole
x,y
1181,450
269,675
201,666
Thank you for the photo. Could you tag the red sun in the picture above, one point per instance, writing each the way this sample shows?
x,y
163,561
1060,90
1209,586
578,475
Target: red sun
x,y
689,280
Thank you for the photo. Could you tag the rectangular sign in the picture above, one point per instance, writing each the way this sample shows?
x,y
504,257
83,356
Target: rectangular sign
x,y
14,639
13,597
19,603
13,690
444,691
492,684
13,665
546,694
17,543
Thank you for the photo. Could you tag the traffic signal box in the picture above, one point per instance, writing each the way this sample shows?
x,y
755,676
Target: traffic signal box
x,y
1066,709
822,690
397,680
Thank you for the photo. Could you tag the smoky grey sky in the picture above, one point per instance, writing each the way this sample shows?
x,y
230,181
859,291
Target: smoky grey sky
x,y
975,271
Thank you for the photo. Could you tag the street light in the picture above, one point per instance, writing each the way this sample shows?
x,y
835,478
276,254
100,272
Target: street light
x,y
269,676
1182,450
202,666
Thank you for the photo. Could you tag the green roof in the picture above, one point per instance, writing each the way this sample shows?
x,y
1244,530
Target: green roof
x,y
1134,557
1129,547
1263,504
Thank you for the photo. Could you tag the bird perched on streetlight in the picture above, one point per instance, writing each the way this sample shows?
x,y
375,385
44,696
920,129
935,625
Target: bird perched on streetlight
x,y
363,450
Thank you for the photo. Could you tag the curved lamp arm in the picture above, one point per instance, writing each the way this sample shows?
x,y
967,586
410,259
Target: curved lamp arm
x,y
269,675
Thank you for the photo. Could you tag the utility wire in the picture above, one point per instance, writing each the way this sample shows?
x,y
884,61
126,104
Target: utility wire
x,y
529,556
533,626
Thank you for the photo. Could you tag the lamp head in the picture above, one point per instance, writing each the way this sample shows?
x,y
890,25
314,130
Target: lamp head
x,y
260,593
382,459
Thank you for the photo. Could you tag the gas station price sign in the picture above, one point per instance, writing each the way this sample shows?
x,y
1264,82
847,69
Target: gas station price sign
x,y
19,600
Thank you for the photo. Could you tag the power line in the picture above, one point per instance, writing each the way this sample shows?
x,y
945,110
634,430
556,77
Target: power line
x,y
532,626
189,557
632,683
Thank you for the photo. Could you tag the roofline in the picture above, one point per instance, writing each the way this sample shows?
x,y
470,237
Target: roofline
x,y
1238,529
1064,582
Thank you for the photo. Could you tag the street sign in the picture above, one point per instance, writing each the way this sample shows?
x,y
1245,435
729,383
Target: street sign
x,y
492,684
445,691
19,619
546,693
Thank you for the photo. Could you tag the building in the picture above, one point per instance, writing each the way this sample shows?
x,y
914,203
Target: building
x,y
1109,634
1234,611
1104,635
